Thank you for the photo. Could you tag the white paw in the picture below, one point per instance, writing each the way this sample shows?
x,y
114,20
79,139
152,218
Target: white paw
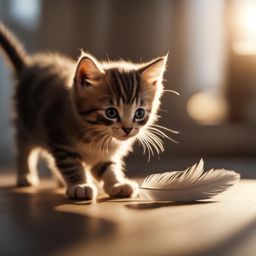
x,y
26,180
127,188
82,191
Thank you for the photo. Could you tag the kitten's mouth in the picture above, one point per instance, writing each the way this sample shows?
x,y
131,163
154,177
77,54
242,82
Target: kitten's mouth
x,y
121,136
124,137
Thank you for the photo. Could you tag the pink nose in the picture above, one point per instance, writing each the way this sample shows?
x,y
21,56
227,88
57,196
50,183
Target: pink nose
x,y
127,130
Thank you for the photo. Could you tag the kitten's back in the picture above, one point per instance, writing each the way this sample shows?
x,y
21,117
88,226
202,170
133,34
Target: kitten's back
x,y
43,84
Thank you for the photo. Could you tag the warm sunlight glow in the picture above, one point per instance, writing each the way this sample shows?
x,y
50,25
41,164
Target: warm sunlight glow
x,y
244,17
206,108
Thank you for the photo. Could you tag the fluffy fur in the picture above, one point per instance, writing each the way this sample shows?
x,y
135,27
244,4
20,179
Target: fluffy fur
x,y
84,115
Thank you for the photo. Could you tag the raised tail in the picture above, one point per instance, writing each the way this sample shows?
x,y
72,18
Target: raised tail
x,y
13,49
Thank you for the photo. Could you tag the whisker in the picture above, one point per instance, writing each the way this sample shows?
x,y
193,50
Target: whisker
x,y
172,91
101,143
164,128
109,139
157,140
150,151
155,143
106,143
97,134
87,135
144,137
161,133
143,145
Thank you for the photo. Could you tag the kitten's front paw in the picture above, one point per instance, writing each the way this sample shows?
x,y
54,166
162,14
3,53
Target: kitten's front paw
x,y
127,188
82,191
27,180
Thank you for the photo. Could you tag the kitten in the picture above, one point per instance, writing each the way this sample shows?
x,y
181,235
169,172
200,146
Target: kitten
x,y
86,115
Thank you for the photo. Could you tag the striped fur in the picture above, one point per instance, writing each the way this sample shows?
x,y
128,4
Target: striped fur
x,y
62,108
126,85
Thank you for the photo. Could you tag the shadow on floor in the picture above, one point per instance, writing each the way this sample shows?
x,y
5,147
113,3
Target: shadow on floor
x,y
30,225
154,205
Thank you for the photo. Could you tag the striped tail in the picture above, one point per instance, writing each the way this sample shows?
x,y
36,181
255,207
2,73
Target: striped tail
x,y
13,49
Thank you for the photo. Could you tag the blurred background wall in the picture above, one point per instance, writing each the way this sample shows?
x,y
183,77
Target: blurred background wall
x,y
212,63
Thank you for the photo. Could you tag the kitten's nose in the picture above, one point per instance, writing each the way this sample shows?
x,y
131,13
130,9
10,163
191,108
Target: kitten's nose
x,y
127,130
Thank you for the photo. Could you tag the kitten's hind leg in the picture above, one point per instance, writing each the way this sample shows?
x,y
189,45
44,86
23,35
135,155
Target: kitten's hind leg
x,y
50,161
115,183
72,169
27,174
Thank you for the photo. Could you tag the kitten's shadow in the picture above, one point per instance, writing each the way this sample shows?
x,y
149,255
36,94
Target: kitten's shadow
x,y
155,205
35,221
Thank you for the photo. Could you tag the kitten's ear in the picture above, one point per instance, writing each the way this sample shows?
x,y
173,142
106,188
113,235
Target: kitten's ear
x,y
154,70
87,71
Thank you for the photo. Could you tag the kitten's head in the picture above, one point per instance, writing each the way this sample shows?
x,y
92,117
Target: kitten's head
x,y
118,99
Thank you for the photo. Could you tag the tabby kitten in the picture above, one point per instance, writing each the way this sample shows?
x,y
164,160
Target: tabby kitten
x,y
85,115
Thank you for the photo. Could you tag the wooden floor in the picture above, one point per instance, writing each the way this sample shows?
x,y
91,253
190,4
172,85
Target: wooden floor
x,y
40,221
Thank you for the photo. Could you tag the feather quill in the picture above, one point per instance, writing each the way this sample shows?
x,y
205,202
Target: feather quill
x,y
189,185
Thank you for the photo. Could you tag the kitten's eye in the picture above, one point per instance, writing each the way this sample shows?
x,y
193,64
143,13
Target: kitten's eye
x,y
139,114
111,113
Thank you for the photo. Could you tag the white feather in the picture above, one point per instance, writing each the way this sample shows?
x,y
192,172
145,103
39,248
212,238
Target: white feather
x,y
189,185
